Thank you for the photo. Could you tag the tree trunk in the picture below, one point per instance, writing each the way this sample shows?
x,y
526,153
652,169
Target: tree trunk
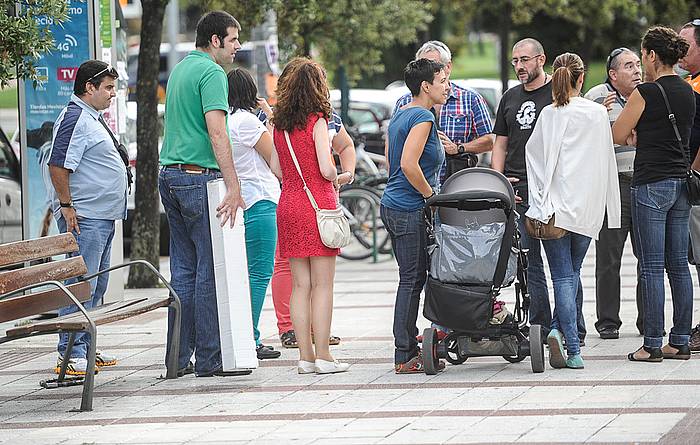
x,y
504,35
145,232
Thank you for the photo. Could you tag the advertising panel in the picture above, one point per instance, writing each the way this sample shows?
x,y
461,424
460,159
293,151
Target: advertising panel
x,y
42,102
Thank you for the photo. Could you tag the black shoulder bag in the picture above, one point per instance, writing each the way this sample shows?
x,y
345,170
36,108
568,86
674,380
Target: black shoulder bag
x,y
123,153
692,178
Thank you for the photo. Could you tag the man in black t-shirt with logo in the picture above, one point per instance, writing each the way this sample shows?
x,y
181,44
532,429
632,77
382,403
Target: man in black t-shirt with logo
x,y
517,113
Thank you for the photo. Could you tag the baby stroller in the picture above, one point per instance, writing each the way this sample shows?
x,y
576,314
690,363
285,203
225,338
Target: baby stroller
x,y
474,251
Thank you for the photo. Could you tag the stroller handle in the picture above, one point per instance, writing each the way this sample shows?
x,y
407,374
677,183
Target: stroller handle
x,y
472,200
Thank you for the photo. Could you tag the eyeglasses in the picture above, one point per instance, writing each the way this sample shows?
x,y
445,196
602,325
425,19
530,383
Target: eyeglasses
x,y
695,22
109,69
616,52
523,59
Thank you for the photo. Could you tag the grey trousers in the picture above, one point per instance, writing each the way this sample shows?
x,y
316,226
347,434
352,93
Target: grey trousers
x,y
609,250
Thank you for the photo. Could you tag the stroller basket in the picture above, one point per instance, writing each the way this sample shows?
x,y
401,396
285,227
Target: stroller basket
x,y
458,307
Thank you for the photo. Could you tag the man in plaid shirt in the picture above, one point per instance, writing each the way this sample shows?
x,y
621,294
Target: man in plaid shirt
x,y
464,122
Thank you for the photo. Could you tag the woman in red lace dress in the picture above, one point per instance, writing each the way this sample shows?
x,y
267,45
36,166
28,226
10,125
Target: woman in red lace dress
x,y
302,110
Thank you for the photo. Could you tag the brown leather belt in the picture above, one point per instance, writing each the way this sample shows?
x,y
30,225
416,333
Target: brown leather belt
x,y
192,168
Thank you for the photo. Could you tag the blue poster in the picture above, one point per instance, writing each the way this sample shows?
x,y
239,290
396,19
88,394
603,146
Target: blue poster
x,y
43,103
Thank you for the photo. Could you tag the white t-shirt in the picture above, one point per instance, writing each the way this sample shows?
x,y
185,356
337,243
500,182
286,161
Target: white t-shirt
x,y
257,180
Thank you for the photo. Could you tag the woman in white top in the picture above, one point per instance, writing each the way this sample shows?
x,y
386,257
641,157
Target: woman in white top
x,y
260,190
572,175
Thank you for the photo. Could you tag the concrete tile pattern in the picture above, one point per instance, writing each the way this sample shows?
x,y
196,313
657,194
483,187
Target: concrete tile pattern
x,y
485,400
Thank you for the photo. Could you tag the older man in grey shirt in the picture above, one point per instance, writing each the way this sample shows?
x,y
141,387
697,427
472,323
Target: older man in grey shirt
x,y
623,75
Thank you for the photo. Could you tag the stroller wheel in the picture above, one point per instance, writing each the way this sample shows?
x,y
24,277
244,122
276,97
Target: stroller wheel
x,y
430,357
536,349
514,358
452,348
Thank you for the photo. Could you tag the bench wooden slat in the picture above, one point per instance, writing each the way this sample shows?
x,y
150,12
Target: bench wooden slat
x,y
55,270
35,249
41,302
107,313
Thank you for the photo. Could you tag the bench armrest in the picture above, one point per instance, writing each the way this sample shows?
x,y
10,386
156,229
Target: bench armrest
x,y
148,265
59,285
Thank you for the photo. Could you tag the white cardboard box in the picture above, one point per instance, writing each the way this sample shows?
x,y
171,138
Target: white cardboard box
x,y
232,287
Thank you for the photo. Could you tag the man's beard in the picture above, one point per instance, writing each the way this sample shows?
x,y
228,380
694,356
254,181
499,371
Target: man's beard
x,y
531,75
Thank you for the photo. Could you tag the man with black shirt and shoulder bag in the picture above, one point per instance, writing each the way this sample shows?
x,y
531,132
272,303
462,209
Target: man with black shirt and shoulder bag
x,y
624,73
517,113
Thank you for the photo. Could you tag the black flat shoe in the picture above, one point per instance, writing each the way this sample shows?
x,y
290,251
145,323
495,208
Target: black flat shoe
x,y
221,373
189,369
682,352
609,333
655,355
267,352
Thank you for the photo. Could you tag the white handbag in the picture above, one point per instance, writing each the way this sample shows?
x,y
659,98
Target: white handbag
x,y
333,226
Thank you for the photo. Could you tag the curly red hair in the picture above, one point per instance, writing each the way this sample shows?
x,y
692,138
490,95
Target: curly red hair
x,y
301,90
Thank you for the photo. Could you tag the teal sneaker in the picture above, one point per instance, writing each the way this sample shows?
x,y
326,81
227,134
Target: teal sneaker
x,y
556,349
574,362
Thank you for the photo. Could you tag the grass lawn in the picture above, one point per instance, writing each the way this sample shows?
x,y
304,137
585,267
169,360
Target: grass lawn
x,y
8,98
469,64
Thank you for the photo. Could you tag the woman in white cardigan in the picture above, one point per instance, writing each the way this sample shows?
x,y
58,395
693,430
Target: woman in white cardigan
x,y
572,175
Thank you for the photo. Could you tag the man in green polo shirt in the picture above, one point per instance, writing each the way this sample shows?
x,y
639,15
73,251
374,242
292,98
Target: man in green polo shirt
x,y
196,149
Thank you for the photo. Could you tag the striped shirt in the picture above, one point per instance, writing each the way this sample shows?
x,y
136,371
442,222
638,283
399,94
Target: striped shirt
x,y
463,118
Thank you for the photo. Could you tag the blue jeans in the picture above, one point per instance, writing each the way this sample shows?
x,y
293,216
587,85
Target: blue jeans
x,y
410,240
95,246
565,256
660,212
540,309
184,197
260,243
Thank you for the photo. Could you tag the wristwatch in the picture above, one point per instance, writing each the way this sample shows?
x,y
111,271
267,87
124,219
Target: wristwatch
x,y
66,205
460,148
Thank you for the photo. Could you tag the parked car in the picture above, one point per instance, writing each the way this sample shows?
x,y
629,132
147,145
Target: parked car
x,y
10,193
369,113
131,108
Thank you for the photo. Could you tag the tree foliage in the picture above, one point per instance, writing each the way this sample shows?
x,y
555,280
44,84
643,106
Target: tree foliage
x,y
22,39
353,34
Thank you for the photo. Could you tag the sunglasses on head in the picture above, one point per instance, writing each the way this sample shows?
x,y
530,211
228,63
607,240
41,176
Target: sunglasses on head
x,y
108,69
614,53
695,22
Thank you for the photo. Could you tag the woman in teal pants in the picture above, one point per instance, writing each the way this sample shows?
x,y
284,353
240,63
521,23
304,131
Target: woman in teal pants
x,y
260,189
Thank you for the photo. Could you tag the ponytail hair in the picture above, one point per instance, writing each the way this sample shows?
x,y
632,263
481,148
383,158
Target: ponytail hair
x,y
568,67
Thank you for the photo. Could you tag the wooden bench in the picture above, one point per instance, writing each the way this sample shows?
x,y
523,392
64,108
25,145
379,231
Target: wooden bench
x,y
54,295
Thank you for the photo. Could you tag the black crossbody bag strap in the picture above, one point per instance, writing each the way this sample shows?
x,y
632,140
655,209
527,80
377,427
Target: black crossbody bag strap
x,y
672,119
122,152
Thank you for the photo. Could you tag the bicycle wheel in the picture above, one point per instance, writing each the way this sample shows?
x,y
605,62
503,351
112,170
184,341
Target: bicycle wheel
x,y
375,186
361,206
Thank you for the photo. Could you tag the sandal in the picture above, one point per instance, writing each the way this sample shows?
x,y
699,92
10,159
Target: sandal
x,y
332,340
682,352
655,355
289,339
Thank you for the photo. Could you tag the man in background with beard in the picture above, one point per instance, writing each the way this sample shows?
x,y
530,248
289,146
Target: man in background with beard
x,y
517,113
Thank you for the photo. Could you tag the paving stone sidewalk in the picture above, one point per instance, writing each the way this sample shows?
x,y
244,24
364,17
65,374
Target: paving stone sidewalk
x,y
485,400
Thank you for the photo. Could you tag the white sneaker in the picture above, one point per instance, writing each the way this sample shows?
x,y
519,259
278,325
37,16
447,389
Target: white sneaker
x,y
76,366
305,367
326,367
104,359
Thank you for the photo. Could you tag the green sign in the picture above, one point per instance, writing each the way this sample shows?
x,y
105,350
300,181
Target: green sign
x,y
106,23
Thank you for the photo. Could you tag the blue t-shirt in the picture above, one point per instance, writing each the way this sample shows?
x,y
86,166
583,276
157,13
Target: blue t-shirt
x,y
399,193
